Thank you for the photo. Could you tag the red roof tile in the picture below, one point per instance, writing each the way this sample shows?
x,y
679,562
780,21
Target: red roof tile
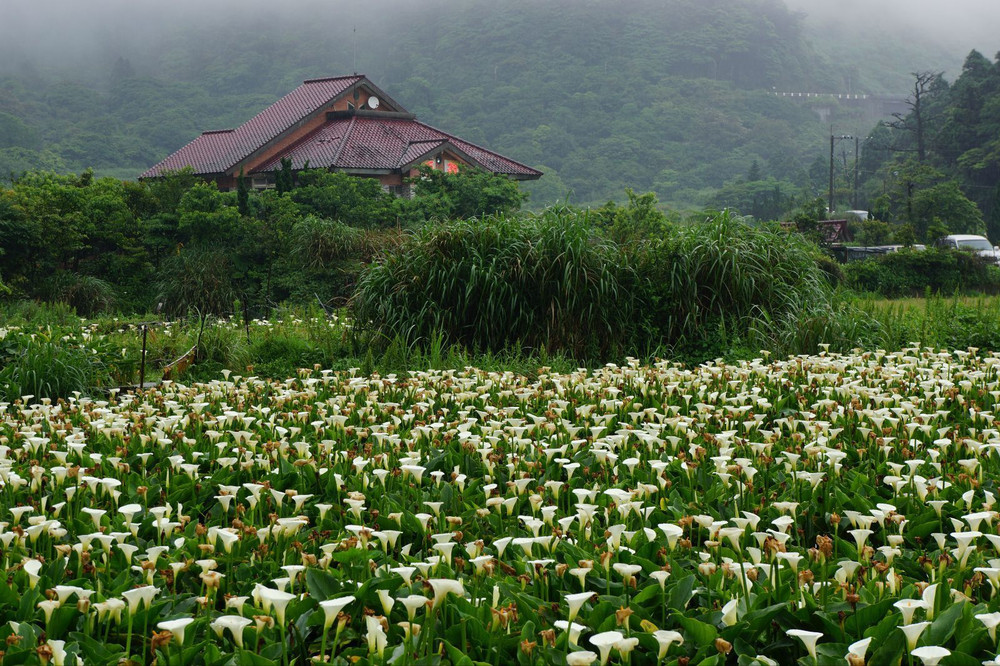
x,y
369,141
386,144
218,156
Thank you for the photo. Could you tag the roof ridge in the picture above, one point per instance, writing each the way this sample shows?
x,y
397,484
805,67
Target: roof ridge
x,y
343,140
222,131
334,78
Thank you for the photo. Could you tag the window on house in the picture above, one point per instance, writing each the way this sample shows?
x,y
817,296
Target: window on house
x,y
262,181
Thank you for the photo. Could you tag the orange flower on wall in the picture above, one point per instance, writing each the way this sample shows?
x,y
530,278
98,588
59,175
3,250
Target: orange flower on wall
x,y
451,167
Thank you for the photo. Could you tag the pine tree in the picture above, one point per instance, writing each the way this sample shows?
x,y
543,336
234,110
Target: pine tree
x,y
284,181
242,194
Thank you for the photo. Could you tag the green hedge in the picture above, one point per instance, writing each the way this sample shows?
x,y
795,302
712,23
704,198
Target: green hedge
x,y
911,272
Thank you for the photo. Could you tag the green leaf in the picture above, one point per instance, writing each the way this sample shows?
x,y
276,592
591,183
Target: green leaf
x,y
680,593
943,626
456,656
831,654
888,651
250,659
321,584
871,615
96,651
62,618
7,596
961,659
700,633
647,593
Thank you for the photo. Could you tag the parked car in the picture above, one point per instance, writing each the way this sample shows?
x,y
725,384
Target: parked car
x,y
972,243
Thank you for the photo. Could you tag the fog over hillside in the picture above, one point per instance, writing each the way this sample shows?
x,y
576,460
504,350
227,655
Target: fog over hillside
x,y
69,32
63,31
932,28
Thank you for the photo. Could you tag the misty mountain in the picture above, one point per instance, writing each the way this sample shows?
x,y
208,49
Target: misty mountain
x,y
671,96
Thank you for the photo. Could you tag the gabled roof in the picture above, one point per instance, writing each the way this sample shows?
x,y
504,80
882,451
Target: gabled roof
x,y
384,140
229,148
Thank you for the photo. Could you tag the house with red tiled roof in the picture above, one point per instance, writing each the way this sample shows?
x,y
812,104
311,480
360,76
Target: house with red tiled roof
x,y
344,124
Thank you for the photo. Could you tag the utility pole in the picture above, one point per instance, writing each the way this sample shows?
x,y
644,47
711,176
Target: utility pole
x,y
833,140
857,159
829,208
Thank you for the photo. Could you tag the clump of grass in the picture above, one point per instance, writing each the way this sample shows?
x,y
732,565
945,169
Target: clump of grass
x,y
39,313
725,285
545,281
317,242
198,280
45,368
87,294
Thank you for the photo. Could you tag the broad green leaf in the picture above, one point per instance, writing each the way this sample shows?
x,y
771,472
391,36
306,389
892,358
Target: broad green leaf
x,y
700,633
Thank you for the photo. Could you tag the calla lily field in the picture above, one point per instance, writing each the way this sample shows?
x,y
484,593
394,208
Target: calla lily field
x,y
826,509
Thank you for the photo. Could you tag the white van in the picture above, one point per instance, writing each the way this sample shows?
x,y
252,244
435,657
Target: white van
x,y
978,244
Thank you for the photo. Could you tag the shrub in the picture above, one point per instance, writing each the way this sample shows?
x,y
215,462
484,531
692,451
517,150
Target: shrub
x,y
910,272
544,281
358,202
468,193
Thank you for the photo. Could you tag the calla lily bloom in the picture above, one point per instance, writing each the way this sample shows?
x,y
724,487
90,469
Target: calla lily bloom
x,y
859,649
332,608
604,642
575,603
908,607
930,655
443,587
234,623
808,638
176,627
990,620
572,628
375,635
582,658
139,596
912,633
276,599
664,639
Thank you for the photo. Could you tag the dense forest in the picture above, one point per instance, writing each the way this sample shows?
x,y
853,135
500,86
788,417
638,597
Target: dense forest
x,y
939,165
671,97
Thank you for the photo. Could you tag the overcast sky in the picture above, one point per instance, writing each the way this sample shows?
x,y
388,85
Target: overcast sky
x,y
78,29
